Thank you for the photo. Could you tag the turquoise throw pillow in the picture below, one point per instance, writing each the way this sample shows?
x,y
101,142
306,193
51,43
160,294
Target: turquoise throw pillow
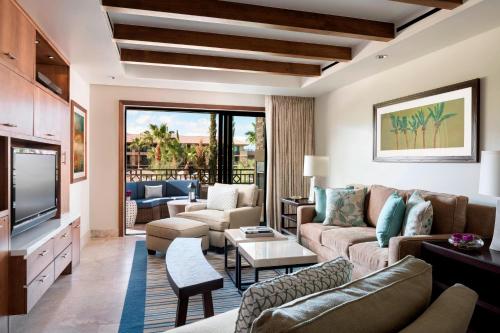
x,y
320,204
390,220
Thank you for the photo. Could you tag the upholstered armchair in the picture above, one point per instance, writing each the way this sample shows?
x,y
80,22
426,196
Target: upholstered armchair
x,y
220,220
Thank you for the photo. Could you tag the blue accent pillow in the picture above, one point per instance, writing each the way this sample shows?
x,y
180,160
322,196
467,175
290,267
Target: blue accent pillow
x,y
320,204
390,220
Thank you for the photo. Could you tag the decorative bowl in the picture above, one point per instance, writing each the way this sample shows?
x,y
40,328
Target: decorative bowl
x,y
466,241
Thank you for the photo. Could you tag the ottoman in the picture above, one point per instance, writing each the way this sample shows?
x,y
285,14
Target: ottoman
x,y
160,233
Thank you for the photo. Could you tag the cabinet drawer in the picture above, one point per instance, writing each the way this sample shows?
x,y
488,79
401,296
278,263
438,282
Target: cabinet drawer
x,y
62,261
62,240
39,286
38,260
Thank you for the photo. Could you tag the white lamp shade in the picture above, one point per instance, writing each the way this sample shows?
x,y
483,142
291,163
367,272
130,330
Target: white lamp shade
x,y
316,166
489,178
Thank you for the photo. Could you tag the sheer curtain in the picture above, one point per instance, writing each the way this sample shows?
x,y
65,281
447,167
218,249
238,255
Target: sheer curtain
x,y
290,136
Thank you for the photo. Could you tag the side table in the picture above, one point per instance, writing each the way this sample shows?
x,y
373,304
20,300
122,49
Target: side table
x,y
289,214
476,269
179,206
130,213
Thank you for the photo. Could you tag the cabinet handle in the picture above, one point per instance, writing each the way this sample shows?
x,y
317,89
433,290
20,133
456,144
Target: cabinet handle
x,y
43,253
48,134
9,125
63,158
64,256
42,280
11,55
65,235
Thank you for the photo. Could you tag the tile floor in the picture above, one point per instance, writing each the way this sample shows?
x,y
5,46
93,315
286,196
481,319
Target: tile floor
x,y
89,300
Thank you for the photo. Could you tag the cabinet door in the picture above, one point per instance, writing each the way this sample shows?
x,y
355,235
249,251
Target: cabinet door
x,y
4,261
65,157
17,40
48,113
16,103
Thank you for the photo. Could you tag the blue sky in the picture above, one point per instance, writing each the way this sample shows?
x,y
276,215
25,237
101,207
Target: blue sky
x,y
187,123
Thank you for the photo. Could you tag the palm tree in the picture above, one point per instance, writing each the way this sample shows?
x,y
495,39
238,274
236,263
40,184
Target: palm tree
x,y
438,116
251,135
136,146
212,149
395,128
159,136
423,120
414,126
403,127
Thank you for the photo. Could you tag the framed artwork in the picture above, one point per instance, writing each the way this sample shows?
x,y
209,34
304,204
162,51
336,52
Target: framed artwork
x,y
440,125
78,143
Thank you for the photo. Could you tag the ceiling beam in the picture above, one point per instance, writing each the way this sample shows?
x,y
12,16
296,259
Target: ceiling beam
x,y
192,39
256,16
224,63
443,4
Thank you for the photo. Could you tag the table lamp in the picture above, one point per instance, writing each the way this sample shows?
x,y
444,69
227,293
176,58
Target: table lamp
x,y
489,184
315,166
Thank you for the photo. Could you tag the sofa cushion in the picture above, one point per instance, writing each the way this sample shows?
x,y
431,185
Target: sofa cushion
x,y
179,188
151,192
222,198
173,227
369,255
376,197
247,194
285,288
313,231
344,207
320,204
339,240
222,323
150,203
385,301
418,216
390,219
215,219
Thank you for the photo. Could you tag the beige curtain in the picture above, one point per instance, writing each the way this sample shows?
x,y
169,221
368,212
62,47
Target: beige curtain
x,y
290,136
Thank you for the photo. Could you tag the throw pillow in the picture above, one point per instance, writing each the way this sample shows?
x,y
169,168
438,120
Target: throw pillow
x,y
320,204
247,194
418,217
285,288
344,207
151,192
222,198
390,220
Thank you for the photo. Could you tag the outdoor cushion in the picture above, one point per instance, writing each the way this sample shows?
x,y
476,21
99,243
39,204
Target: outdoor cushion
x,y
369,254
141,187
313,231
150,203
151,192
132,187
339,240
215,219
177,188
180,198
385,301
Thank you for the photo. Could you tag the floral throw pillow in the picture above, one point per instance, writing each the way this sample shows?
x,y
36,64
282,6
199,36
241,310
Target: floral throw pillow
x,y
418,217
345,207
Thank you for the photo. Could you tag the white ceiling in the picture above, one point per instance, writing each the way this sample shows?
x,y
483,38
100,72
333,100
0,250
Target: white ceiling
x,y
81,29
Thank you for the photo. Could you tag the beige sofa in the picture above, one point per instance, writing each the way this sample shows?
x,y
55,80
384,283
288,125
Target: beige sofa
x,y
219,220
452,213
394,299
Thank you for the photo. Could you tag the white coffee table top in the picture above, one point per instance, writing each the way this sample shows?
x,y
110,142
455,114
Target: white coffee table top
x,y
184,202
236,236
276,253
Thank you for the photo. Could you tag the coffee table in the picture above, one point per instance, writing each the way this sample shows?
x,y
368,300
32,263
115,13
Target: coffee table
x,y
179,206
235,237
273,255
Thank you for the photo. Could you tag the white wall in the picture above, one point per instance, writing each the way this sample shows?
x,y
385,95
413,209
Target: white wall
x,y
104,141
344,118
79,192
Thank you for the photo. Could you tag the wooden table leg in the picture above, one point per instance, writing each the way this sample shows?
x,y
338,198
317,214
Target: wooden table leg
x,y
182,307
208,305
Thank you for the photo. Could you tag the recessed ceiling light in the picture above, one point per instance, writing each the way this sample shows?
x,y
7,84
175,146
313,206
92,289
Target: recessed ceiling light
x,y
382,56
51,57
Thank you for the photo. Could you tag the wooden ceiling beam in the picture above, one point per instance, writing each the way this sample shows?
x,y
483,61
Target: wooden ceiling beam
x,y
443,4
224,63
192,39
256,16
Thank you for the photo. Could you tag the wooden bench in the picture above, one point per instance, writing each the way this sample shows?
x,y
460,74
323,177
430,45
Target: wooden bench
x,y
190,274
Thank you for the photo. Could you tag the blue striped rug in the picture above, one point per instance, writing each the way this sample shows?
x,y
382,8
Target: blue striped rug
x,y
150,304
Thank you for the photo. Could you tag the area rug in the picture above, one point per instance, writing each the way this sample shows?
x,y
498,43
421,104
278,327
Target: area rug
x,y
150,304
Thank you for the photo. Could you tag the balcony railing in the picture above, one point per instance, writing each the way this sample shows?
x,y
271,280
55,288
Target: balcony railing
x,y
240,176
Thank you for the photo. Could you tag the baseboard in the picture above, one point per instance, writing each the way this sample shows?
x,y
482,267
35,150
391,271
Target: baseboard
x,y
84,240
103,233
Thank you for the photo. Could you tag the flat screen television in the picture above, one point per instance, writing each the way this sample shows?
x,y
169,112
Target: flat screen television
x,y
33,187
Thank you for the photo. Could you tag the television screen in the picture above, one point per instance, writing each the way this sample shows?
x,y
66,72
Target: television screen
x,y
34,185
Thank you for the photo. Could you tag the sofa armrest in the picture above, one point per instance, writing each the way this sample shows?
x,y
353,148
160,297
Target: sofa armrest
x,y
244,217
401,246
305,214
450,313
192,207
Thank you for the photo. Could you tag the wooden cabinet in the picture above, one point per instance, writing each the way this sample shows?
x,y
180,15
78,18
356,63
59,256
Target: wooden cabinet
x,y
75,245
4,277
16,103
49,115
65,161
17,40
